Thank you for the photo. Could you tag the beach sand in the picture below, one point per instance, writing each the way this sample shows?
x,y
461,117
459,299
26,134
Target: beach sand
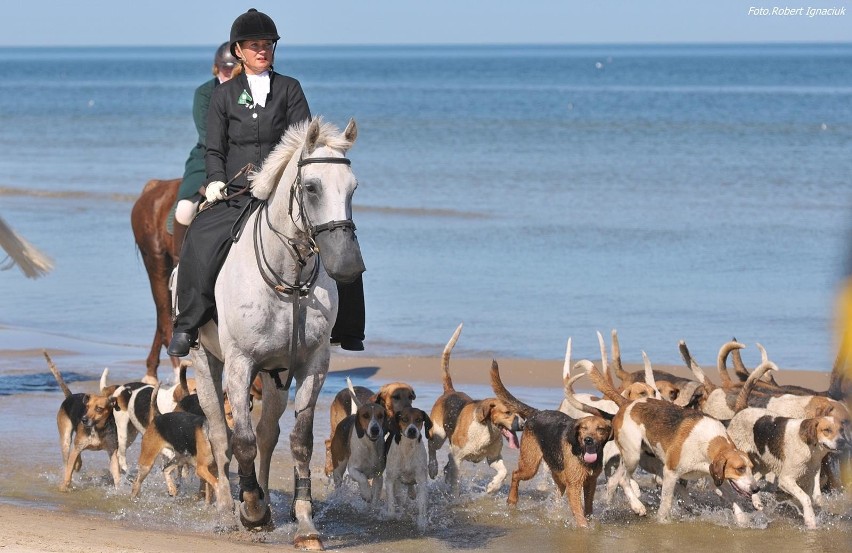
x,y
45,520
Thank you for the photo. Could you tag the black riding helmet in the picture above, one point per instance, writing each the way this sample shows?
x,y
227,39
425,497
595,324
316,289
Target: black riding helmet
x,y
253,25
223,57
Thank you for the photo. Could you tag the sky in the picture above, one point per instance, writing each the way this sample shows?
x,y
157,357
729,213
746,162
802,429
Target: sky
x,y
335,22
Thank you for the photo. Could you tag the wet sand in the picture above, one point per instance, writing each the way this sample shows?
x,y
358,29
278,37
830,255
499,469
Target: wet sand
x,y
92,517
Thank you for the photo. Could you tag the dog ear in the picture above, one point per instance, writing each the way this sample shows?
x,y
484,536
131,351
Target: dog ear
x,y
717,469
483,410
572,435
113,404
809,431
413,395
397,435
358,430
427,425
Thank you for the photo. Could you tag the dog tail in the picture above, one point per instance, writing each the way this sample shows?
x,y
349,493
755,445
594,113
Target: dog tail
x,y
577,404
838,376
155,410
696,369
649,376
504,395
107,390
566,366
601,383
742,371
354,404
765,366
625,376
722,362
182,390
605,368
445,360
57,375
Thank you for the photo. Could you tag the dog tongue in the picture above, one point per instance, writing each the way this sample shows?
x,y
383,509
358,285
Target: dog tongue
x,y
590,457
511,438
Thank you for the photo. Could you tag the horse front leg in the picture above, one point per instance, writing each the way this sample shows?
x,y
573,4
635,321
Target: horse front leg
x,y
254,500
273,404
208,372
301,446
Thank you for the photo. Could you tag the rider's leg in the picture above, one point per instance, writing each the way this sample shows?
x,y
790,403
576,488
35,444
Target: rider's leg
x,y
205,248
184,213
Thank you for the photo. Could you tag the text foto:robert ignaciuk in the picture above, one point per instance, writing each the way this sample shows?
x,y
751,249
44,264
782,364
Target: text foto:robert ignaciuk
x,y
785,11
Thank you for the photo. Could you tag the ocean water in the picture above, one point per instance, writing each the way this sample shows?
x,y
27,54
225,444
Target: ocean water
x,y
532,192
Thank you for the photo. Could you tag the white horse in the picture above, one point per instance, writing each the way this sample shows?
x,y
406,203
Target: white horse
x,y
277,303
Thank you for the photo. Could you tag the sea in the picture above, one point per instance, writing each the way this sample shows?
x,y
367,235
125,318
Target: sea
x,y
534,193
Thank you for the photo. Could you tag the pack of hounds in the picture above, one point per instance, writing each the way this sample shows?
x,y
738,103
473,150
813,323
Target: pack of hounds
x,y
746,436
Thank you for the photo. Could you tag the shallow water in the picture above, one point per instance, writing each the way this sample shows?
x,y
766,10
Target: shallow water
x,y
30,468
534,192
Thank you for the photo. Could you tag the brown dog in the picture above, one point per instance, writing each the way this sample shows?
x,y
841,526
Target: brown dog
x,y
85,421
393,397
181,433
572,449
474,428
690,445
357,447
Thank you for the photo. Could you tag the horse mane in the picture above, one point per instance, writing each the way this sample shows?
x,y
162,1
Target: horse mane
x,y
264,182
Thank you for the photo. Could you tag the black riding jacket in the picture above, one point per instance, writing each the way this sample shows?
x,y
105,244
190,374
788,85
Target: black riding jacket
x,y
238,134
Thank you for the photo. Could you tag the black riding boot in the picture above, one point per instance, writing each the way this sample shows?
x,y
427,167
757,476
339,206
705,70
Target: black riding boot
x,y
177,240
348,329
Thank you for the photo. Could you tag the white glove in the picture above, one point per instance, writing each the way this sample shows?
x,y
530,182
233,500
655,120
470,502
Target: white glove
x,y
215,191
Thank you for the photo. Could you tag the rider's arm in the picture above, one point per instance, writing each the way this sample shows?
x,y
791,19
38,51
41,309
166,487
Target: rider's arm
x,y
217,136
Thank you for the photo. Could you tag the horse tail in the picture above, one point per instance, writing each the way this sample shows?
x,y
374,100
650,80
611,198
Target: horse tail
x,y
506,396
445,360
57,375
27,257
154,411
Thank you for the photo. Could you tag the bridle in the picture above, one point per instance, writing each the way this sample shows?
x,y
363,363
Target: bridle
x,y
302,249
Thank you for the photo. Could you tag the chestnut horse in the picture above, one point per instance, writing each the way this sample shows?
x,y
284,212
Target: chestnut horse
x,y
148,219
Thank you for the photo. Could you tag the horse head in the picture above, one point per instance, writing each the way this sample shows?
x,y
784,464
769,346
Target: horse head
x,y
321,184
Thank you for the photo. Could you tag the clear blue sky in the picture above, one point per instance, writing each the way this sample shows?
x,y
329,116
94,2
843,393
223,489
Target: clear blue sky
x,y
202,22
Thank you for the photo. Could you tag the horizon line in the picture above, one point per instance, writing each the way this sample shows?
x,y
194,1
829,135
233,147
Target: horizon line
x,y
456,44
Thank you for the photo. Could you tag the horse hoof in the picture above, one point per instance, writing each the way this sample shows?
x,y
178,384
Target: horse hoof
x,y
311,542
263,523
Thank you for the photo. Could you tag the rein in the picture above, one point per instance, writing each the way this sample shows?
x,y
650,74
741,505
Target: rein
x,y
297,288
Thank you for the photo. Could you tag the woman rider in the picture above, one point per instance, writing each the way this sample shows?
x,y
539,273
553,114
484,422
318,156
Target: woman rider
x,y
247,117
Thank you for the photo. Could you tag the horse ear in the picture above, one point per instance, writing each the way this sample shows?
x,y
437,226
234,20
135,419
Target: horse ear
x,y
311,136
351,132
